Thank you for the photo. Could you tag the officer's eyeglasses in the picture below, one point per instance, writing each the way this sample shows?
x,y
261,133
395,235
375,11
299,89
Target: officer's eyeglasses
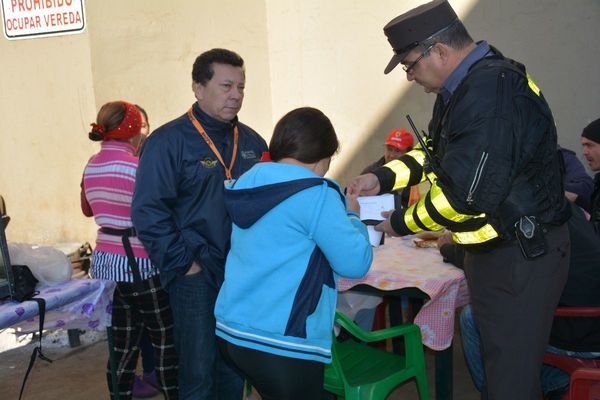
x,y
408,68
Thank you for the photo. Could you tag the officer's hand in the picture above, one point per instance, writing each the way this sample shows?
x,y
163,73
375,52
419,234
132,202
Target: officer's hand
x,y
364,185
386,226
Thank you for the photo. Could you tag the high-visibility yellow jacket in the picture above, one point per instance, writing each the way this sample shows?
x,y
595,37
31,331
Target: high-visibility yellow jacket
x,y
494,146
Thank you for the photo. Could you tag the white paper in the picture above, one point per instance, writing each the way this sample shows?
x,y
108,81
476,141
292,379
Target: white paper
x,y
371,207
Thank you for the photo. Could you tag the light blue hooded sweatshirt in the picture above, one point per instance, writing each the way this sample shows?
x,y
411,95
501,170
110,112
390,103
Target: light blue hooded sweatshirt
x,y
291,238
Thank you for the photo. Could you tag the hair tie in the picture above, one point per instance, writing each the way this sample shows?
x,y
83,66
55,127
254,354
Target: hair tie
x,y
97,128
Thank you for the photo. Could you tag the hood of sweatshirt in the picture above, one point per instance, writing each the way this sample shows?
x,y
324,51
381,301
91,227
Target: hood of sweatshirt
x,y
247,203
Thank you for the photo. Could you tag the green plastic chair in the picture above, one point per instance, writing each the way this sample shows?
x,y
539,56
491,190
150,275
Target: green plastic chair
x,y
361,372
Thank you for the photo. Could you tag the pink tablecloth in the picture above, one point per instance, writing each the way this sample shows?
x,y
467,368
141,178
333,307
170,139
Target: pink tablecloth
x,y
400,264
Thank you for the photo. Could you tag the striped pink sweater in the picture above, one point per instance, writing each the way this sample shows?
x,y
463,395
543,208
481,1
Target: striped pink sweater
x,y
109,180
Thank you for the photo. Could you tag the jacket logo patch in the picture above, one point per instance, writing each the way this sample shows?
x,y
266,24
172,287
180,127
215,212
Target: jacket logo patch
x,y
248,154
208,163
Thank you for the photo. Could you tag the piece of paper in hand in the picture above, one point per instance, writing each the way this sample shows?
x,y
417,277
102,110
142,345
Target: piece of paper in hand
x,y
372,206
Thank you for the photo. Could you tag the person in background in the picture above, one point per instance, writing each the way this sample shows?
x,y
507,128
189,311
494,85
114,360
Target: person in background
x,y
180,216
579,337
398,142
590,141
577,181
491,139
293,233
139,302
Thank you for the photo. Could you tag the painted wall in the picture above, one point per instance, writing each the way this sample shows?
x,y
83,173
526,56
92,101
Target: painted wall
x,y
326,54
137,50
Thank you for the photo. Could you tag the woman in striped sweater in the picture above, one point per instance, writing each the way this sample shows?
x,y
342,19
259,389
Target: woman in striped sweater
x,y
139,301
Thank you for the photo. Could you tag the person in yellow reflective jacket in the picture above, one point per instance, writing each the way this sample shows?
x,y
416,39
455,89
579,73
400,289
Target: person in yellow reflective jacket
x,y
495,184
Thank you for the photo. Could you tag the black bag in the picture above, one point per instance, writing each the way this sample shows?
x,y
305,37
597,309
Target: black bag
x,y
24,288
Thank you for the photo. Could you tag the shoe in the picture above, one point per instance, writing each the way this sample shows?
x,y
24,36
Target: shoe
x,y
143,389
152,379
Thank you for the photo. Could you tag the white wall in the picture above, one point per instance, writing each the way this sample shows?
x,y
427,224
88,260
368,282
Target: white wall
x,y
328,54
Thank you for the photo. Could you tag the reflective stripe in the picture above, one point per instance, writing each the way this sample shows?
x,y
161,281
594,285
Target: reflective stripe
x,y
483,234
532,85
410,221
403,172
441,204
431,176
418,154
425,218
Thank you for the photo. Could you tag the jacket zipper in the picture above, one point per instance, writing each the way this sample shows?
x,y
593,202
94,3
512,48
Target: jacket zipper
x,y
477,177
484,155
501,84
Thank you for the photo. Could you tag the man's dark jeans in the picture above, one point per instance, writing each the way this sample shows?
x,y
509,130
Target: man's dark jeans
x,y
203,375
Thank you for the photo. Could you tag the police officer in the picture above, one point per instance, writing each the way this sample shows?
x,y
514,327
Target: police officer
x,y
495,184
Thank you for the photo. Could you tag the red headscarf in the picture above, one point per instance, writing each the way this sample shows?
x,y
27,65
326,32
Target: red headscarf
x,y
129,127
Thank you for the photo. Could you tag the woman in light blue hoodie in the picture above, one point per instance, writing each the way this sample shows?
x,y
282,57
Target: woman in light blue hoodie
x,y
293,233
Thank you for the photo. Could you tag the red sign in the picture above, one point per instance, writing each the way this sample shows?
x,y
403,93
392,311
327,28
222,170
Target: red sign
x,y
26,19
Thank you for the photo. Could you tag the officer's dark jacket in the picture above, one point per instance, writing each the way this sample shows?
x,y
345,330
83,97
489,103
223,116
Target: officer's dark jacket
x,y
178,209
494,159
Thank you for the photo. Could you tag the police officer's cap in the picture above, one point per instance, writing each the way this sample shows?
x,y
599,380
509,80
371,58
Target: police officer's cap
x,y
406,31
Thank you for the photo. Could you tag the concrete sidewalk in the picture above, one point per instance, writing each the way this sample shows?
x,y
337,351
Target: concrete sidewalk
x,y
79,373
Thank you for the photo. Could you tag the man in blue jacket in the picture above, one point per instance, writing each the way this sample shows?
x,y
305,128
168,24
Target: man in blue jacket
x,y
180,217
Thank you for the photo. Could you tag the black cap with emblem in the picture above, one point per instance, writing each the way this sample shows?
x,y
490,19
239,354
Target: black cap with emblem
x,y
406,31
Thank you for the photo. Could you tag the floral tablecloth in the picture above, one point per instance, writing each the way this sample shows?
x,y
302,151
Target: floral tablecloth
x,y
76,304
400,264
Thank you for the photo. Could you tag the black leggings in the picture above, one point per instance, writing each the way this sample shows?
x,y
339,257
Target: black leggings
x,y
276,377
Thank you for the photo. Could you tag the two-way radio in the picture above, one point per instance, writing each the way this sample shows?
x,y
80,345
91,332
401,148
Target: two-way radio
x,y
420,139
431,161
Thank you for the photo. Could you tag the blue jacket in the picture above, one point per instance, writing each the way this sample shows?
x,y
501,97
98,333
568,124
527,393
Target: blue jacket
x,y
291,236
177,207
577,179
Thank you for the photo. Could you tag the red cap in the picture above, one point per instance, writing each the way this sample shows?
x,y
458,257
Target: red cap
x,y
400,139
